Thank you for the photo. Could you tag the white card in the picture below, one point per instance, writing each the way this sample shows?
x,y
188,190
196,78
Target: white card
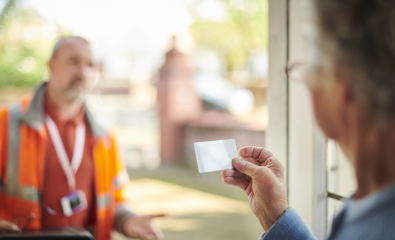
x,y
215,155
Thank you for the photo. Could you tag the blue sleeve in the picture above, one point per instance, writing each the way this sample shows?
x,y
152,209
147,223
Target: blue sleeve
x,y
290,226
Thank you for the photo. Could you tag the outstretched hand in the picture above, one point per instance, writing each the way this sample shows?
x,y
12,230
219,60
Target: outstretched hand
x,y
8,226
141,227
261,176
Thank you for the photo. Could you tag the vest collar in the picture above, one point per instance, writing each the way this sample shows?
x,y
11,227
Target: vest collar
x,y
34,114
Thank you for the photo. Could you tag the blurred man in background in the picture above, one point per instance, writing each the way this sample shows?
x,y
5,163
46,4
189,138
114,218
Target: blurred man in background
x,y
58,166
352,88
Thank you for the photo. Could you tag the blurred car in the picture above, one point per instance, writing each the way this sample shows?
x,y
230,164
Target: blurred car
x,y
219,93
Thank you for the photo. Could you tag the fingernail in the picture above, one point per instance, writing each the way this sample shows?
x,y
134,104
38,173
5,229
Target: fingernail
x,y
236,162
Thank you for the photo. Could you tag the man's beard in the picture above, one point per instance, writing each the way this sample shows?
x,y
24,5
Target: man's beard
x,y
77,89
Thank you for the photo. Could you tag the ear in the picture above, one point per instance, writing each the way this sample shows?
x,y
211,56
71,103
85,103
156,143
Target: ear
x,y
343,79
50,65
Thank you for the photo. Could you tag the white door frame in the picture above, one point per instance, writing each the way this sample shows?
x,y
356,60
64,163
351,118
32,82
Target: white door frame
x,y
292,134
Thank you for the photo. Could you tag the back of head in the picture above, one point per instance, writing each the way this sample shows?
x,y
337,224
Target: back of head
x,y
360,34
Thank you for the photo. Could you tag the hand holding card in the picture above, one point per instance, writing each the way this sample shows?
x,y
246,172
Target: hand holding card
x,y
215,155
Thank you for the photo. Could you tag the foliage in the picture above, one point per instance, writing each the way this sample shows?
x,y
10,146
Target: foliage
x,y
23,49
242,32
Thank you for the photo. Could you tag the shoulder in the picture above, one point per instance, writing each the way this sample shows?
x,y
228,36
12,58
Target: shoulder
x,y
23,102
14,110
381,221
377,224
3,112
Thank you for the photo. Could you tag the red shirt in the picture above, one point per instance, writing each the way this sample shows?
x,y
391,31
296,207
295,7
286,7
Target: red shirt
x,y
55,181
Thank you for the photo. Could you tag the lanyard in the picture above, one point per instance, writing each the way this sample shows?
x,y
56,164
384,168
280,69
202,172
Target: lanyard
x,y
79,143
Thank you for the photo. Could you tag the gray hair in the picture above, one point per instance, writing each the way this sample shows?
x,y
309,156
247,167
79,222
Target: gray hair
x,y
360,34
59,43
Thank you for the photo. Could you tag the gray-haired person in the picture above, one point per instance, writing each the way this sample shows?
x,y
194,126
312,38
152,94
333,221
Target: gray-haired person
x,y
353,92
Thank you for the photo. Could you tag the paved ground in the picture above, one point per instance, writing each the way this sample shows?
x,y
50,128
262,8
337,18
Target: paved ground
x,y
193,211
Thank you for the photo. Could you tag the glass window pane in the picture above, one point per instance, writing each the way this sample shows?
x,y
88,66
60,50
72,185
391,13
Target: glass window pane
x,y
341,179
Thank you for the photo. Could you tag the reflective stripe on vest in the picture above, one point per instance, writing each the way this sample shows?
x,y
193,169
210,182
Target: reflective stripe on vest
x,y
103,200
120,179
12,187
122,207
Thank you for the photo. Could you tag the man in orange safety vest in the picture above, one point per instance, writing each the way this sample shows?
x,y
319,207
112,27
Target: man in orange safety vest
x,y
58,166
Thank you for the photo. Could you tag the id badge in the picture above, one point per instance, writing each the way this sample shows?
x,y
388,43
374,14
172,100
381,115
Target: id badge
x,y
73,202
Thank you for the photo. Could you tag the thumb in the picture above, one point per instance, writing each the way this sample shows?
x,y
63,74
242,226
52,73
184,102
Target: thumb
x,y
245,167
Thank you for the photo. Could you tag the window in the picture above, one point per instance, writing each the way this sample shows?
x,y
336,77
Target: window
x,y
317,170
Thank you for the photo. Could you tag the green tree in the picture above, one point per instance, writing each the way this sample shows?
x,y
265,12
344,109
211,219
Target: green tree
x,y
242,32
23,49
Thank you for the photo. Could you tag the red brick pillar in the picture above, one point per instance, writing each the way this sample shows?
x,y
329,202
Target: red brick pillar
x,y
178,103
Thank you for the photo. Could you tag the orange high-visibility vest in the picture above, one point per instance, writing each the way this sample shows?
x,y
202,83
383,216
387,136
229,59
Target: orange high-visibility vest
x,y
22,166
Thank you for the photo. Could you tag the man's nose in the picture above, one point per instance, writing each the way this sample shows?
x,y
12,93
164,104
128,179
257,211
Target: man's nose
x,y
84,70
